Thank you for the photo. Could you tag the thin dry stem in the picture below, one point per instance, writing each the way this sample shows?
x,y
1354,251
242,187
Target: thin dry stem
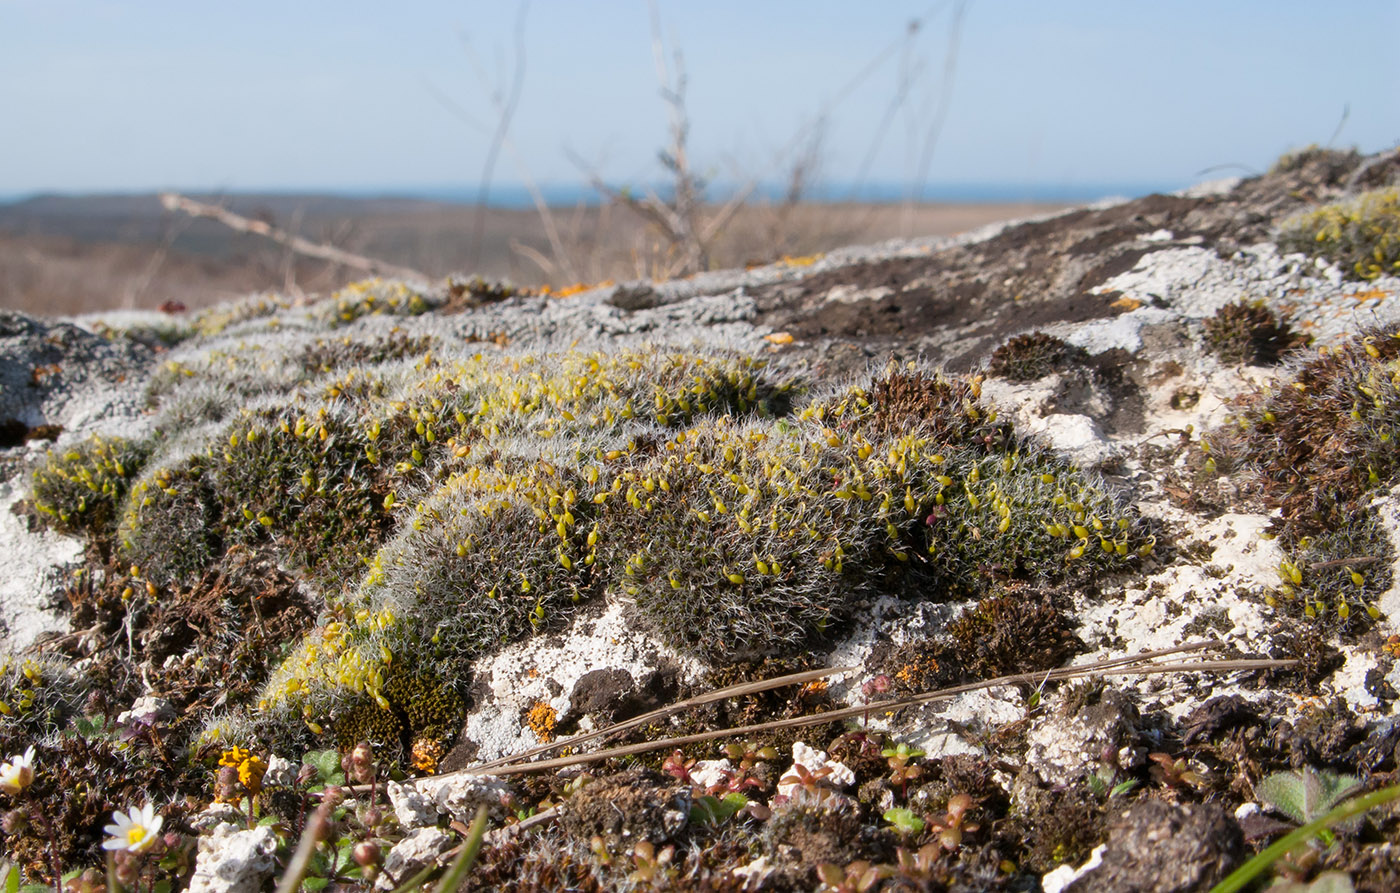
x,y
175,202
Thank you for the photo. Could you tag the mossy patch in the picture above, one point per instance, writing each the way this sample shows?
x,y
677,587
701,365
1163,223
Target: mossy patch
x,y
1320,445
78,489
1033,356
1360,235
1248,333
731,538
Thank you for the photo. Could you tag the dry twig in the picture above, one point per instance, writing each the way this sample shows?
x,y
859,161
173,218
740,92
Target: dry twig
x,y
175,202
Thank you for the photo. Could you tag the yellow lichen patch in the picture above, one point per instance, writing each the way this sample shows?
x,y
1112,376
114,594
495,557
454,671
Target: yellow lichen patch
x,y
779,338
1369,294
426,754
542,719
805,260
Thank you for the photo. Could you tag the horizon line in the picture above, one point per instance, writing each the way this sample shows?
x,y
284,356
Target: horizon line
x,y
574,193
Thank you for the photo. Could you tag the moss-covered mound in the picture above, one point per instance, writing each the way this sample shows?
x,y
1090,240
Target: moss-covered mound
x,y
440,503
732,536
1361,235
1321,444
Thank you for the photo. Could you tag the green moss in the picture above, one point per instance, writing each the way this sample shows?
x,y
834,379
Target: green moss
x,y
1248,333
214,320
492,555
38,695
446,508
1014,632
1330,166
1319,445
1340,573
331,354
740,541
78,489
1032,356
299,480
416,707
1360,235
374,296
171,525
271,476
1321,440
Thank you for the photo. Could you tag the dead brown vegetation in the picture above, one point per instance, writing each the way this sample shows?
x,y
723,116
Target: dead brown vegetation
x,y
130,263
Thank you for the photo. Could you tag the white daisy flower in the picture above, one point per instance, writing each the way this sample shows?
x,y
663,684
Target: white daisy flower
x,y
134,831
17,774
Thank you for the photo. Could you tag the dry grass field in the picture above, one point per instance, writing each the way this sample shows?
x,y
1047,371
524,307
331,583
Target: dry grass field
x,y
63,255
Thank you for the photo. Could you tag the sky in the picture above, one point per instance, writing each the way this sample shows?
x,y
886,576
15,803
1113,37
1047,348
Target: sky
x,y
1070,96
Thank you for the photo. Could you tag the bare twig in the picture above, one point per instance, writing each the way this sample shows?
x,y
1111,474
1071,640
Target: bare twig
x,y
171,231
1112,667
457,875
504,113
732,691
505,833
950,69
505,109
176,202
306,848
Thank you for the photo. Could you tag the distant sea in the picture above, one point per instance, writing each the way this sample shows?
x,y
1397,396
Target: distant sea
x,y
573,194
516,196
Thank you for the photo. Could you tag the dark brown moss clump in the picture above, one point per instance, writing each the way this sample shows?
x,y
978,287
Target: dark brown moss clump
x,y
1032,356
1249,333
1011,633
1321,441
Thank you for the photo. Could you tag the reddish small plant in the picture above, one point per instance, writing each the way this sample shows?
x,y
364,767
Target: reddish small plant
x,y
954,824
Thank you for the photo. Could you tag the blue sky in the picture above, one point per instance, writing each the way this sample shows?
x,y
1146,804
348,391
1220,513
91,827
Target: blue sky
x,y
111,96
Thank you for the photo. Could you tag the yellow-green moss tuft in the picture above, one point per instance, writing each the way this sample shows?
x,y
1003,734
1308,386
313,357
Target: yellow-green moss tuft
x,y
1360,235
79,488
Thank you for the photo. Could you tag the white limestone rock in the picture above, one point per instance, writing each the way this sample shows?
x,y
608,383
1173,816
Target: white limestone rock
x,y
412,854
234,861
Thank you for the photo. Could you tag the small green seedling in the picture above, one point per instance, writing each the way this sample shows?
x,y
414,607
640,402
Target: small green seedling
x,y
904,822
1308,793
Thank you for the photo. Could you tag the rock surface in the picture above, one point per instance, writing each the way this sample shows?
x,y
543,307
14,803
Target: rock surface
x,y
1125,300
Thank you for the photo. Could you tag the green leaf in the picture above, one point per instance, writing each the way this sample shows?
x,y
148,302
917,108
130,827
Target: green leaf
x,y
9,878
1123,787
1305,794
315,883
327,764
1354,808
457,875
1327,882
711,810
904,821
345,853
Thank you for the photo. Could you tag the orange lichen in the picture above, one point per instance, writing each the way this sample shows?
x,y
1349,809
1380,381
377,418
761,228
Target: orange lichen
x,y
426,754
542,718
569,291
